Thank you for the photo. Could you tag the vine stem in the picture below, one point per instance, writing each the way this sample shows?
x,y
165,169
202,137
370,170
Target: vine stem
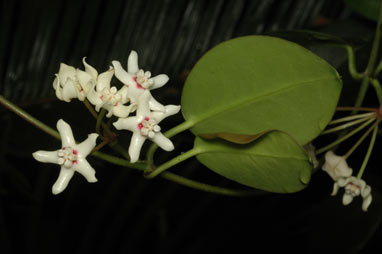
x,y
119,161
209,188
172,162
359,141
90,108
96,116
340,140
362,92
369,150
18,111
371,63
170,133
351,64
99,121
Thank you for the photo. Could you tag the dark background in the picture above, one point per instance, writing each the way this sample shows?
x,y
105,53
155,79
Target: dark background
x,y
124,212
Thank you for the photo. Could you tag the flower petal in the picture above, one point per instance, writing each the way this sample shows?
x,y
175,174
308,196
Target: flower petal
x,y
46,156
136,144
335,189
85,80
83,167
366,202
124,94
90,69
336,166
66,72
365,191
57,87
94,97
347,199
122,110
129,123
143,108
69,90
62,180
132,62
122,75
86,146
159,81
163,142
104,79
66,133
169,110
155,105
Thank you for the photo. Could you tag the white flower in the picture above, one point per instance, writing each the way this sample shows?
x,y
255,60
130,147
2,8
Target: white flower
x,y
354,187
71,157
73,83
138,80
109,98
336,166
145,126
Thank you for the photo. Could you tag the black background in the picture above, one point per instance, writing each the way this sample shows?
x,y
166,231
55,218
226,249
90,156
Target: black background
x,y
124,212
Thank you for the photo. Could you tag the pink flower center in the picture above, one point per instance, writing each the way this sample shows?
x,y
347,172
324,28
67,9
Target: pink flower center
x,y
136,82
354,185
140,125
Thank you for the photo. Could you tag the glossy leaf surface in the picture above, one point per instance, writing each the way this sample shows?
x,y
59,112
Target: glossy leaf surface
x,y
274,162
256,83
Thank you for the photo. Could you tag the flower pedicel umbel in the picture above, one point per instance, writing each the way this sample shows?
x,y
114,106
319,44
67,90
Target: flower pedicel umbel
x,y
73,83
71,157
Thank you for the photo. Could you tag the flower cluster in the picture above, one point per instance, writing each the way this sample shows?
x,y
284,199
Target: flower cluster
x,y
341,173
134,95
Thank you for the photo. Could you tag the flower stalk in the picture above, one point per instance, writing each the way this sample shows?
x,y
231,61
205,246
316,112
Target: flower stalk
x,y
368,153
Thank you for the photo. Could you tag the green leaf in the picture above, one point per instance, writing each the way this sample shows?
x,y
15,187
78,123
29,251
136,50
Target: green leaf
x,y
235,138
367,8
274,162
253,84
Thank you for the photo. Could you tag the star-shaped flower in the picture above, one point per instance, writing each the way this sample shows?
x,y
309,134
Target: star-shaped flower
x,y
145,126
137,80
353,187
71,157
336,166
109,98
73,83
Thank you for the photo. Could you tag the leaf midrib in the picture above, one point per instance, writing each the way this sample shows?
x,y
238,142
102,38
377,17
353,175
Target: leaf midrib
x,y
252,99
257,155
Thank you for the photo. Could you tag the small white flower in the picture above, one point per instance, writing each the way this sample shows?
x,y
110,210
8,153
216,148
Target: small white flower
x,y
353,187
71,157
336,166
145,126
137,80
109,98
73,83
